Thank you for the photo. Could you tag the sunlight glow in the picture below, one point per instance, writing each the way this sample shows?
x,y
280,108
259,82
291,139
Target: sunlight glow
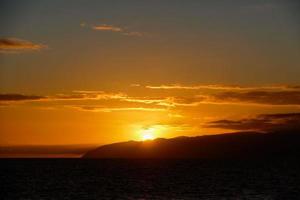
x,y
148,134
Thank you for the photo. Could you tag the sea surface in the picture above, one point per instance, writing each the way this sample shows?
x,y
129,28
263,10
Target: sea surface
x,y
149,179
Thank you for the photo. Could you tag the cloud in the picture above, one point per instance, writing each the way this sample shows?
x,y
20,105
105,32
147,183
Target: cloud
x,y
105,27
195,87
83,96
15,45
100,95
113,28
280,97
20,97
276,95
116,109
171,101
265,122
146,100
259,97
175,115
88,95
76,95
183,101
11,99
135,85
221,87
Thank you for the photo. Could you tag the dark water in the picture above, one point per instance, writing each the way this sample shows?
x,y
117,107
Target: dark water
x,y
148,179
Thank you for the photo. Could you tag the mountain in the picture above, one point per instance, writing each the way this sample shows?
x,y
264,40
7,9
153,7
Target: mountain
x,y
231,145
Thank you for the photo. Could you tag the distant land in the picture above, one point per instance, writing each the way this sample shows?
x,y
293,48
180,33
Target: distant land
x,y
45,151
232,145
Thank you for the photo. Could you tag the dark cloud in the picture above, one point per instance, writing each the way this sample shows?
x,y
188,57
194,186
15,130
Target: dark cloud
x,y
8,45
265,122
20,97
221,87
77,95
276,95
260,97
266,98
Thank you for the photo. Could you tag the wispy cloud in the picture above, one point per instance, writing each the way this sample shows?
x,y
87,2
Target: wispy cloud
x,y
135,85
15,45
76,95
282,96
88,95
20,97
105,27
274,95
221,87
117,109
113,28
147,100
259,97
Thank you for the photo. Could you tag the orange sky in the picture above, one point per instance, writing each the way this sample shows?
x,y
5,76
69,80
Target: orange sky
x,y
98,117
101,72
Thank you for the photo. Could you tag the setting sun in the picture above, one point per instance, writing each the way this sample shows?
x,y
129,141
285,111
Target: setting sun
x,y
148,134
133,99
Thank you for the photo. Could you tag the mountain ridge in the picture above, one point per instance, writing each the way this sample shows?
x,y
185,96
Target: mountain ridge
x,y
230,145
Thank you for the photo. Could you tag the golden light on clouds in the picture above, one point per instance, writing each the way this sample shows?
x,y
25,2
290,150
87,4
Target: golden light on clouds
x,y
138,113
113,28
105,27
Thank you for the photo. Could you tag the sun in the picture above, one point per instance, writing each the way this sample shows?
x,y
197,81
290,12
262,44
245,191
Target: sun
x,y
148,134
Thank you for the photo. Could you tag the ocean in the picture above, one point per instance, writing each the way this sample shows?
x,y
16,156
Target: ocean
x,y
149,179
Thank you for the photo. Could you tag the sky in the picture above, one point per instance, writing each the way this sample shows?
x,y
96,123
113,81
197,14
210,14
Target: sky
x,y
97,72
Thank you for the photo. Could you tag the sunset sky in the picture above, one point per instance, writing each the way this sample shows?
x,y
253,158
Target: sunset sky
x,y
96,72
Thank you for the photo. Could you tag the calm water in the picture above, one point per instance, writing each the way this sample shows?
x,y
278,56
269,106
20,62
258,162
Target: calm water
x,y
148,179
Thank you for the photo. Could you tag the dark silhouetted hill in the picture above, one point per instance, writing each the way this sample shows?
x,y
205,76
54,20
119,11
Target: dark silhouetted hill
x,y
232,145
